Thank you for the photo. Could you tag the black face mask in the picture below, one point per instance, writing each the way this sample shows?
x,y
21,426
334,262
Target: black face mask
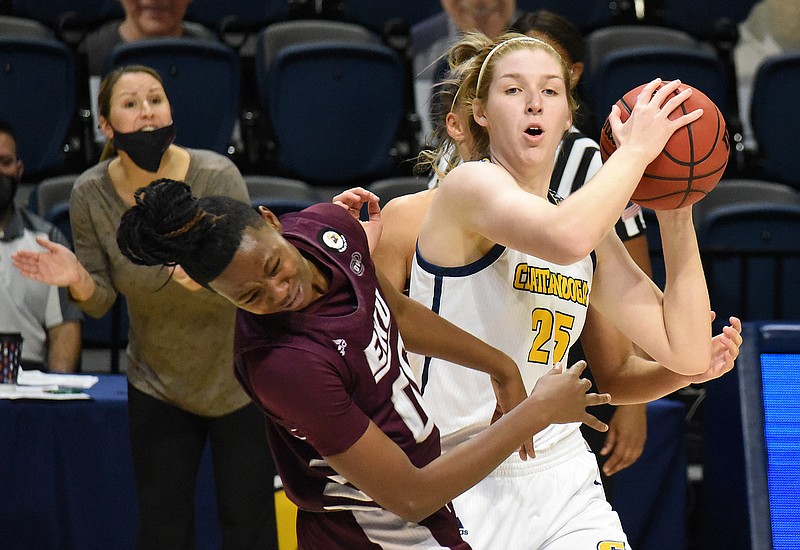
x,y
146,148
8,190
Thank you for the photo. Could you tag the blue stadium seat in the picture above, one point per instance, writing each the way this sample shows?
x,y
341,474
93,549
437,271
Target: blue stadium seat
x,y
37,87
24,27
58,215
603,41
622,70
737,191
390,188
202,81
237,14
280,206
280,195
751,254
335,110
274,38
265,188
50,192
774,109
237,20
61,15
587,15
377,15
702,19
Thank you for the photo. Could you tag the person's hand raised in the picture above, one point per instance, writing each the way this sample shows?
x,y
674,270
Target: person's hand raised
x,y
724,351
352,200
57,265
648,128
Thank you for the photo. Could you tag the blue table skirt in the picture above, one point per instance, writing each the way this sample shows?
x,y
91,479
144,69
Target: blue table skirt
x,y
66,479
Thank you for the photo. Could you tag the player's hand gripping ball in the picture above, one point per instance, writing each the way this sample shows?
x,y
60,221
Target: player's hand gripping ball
x,y
692,161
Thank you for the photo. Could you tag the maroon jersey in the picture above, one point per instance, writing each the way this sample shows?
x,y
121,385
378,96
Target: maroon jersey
x,y
320,375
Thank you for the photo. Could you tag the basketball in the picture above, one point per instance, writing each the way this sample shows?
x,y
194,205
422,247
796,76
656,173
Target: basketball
x,y
692,161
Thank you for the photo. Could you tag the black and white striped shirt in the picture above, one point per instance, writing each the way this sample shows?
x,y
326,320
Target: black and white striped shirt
x,y
577,160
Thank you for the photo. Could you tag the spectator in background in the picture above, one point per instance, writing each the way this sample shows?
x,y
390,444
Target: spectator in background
x,y
432,38
49,322
143,19
771,28
182,392
577,160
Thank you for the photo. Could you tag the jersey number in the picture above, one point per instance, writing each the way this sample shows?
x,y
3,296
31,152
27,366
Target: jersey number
x,y
547,326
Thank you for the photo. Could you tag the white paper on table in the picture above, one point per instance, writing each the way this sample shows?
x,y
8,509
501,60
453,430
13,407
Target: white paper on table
x,y
39,378
35,384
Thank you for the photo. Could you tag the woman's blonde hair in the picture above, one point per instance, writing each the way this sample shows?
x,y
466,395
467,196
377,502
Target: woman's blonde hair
x,y
473,60
444,154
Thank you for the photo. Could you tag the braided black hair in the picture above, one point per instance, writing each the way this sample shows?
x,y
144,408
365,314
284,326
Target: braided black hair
x,y
168,226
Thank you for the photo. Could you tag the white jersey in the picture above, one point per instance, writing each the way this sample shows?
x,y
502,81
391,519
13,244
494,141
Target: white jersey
x,y
531,309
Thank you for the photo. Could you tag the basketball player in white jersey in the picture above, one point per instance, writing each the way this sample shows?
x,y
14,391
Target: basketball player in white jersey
x,y
498,257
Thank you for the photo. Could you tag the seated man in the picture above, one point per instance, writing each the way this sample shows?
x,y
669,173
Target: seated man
x,y
48,321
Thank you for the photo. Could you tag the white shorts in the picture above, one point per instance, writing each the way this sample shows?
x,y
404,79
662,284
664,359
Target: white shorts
x,y
554,502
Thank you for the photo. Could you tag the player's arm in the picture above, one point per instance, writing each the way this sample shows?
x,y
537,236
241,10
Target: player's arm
x,y
395,249
504,213
426,333
630,378
64,346
672,327
378,467
627,428
625,439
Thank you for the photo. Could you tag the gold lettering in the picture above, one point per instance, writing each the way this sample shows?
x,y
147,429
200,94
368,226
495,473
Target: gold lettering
x,y
543,281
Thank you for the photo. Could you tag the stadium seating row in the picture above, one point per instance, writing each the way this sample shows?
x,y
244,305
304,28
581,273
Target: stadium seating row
x,y
256,126
330,129
316,119
702,19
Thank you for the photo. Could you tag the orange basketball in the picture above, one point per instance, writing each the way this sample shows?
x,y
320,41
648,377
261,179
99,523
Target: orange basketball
x,y
692,161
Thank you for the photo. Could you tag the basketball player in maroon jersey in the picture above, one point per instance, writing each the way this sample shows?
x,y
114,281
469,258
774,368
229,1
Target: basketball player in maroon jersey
x,y
318,349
